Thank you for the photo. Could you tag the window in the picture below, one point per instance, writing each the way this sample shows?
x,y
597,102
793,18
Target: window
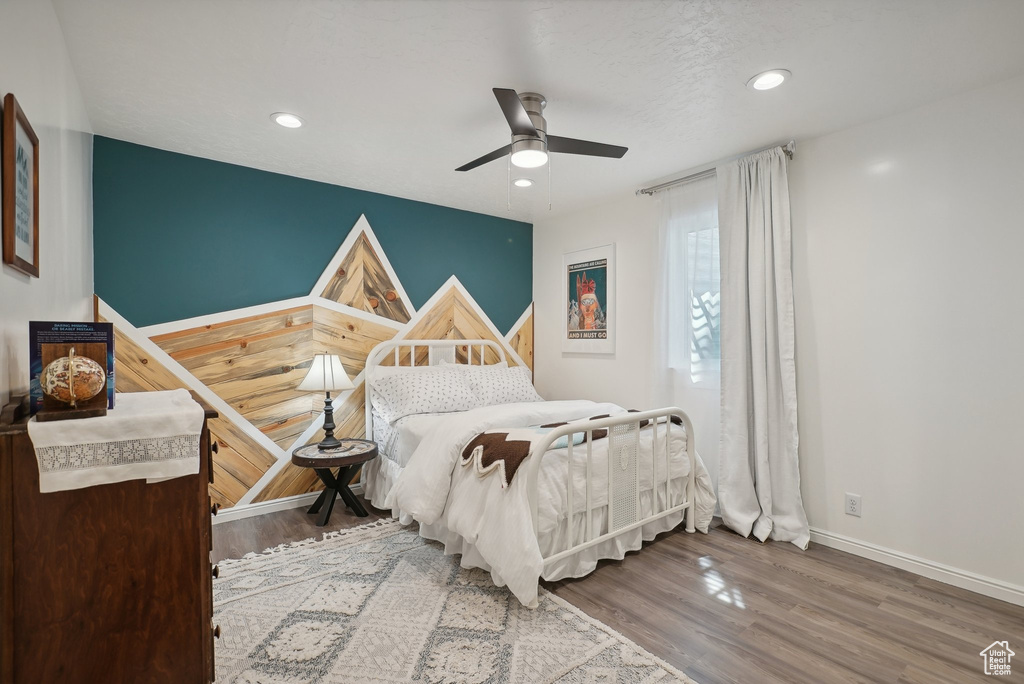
x,y
704,291
693,281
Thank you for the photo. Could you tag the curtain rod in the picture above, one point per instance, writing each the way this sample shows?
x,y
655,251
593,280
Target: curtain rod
x,y
788,149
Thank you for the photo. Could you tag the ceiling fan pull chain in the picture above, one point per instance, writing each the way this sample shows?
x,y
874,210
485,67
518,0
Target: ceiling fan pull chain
x,y
508,184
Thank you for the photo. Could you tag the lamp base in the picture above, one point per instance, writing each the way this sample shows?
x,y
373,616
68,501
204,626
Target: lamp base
x,y
332,443
329,441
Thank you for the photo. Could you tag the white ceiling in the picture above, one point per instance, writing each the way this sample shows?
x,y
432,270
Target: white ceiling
x,y
396,94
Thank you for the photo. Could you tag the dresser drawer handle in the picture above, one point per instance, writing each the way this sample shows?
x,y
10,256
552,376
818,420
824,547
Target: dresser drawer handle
x,y
216,571
216,632
214,447
214,508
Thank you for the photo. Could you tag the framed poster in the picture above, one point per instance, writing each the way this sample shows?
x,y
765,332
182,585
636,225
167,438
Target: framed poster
x,y
20,178
589,300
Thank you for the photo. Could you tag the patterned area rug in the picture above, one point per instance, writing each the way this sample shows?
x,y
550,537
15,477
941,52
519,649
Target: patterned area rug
x,y
378,603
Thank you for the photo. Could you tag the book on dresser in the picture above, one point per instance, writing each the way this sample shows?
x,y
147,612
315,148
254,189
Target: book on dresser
x,y
108,583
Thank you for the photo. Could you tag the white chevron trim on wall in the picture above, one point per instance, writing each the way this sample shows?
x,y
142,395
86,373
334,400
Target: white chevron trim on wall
x,y
246,362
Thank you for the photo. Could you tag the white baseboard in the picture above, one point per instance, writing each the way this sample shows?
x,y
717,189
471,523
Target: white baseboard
x,y
1004,591
262,507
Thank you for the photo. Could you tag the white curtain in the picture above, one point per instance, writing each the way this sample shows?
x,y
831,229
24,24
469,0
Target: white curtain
x,y
759,472
686,300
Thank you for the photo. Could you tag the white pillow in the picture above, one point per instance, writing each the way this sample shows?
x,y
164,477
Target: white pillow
x,y
432,390
500,384
381,372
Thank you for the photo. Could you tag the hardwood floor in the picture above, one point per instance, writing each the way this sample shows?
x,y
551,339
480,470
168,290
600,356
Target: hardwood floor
x,y
726,609
236,538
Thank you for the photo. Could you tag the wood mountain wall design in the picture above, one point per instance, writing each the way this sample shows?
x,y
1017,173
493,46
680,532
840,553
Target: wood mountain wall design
x,y
362,283
246,364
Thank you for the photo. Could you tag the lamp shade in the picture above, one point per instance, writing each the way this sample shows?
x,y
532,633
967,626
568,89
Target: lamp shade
x,y
326,374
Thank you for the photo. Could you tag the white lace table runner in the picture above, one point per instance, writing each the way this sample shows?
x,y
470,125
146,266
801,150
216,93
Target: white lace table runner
x,y
148,435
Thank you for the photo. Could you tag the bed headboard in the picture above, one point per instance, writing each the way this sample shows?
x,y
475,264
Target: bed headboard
x,y
411,354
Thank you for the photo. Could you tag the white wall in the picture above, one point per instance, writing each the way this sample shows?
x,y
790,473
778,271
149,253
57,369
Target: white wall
x,y
909,279
624,378
34,65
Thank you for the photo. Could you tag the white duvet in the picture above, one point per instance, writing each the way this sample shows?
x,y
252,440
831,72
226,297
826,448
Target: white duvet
x,y
493,528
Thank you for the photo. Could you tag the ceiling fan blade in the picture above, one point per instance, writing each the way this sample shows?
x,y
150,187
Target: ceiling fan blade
x,y
518,120
490,156
593,149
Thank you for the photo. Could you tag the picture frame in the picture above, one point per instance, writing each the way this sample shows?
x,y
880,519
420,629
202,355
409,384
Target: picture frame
x,y
590,313
19,161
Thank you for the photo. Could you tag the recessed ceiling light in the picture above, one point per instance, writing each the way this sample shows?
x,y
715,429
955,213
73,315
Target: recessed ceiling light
x,y
522,182
766,80
285,119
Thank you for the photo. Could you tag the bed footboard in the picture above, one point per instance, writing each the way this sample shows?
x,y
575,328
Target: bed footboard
x,y
623,478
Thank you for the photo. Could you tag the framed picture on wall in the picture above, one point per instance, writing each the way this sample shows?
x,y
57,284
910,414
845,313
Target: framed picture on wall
x,y
19,160
589,325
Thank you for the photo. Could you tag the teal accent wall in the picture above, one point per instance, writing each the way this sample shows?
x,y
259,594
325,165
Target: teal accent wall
x,y
178,236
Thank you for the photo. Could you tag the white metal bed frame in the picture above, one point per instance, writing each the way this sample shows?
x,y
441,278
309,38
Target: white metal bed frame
x,y
624,493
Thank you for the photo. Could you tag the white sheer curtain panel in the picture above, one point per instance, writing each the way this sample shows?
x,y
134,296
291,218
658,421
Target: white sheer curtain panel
x,y
759,471
685,369
687,292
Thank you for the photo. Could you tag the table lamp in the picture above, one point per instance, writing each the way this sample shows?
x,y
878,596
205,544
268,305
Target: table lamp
x,y
326,374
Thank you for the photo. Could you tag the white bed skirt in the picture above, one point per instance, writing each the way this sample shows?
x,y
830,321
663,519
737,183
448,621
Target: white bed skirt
x,y
377,478
380,475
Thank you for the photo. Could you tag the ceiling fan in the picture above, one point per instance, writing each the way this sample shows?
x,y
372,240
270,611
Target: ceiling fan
x,y
530,142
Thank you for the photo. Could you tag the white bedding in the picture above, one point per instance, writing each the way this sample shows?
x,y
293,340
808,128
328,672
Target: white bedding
x,y
492,527
398,441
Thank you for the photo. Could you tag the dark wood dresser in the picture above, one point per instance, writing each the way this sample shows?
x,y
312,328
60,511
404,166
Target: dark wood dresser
x,y
108,584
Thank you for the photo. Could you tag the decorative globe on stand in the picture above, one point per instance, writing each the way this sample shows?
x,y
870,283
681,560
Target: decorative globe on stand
x,y
71,379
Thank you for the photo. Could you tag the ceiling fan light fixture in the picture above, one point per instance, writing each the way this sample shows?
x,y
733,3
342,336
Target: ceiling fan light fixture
x,y
529,153
522,182
766,80
529,159
530,142
287,120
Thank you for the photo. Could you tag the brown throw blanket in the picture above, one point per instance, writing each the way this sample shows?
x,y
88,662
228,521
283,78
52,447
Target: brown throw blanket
x,y
505,450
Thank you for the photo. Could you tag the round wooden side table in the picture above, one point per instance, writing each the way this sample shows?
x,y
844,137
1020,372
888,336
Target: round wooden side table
x,y
347,458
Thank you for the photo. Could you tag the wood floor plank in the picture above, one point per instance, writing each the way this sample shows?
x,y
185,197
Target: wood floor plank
x,y
803,647
723,665
958,613
947,592
681,650
724,609
824,630
781,653
937,673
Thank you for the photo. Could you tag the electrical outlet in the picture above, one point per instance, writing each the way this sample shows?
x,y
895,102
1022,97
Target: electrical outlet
x,y
853,506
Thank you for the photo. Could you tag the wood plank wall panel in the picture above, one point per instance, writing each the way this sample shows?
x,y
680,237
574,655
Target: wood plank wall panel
x,y
469,326
362,283
240,461
349,337
254,364
350,419
136,372
182,343
438,322
451,318
522,341
349,415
